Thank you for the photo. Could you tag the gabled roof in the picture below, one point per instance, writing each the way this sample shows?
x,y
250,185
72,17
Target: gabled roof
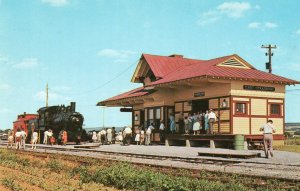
x,y
240,69
170,69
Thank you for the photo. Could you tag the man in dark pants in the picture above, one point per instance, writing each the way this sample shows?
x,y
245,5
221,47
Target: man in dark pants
x,y
268,130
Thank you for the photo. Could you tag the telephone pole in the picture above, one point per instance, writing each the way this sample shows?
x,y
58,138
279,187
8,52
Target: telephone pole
x,y
270,54
47,95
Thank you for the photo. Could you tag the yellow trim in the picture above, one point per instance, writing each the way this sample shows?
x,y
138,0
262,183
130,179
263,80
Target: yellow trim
x,y
245,64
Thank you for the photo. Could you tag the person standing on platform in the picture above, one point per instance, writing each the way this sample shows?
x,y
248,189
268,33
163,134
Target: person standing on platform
x,y
196,127
94,137
23,140
190,122
148,134
137,138
10,139
59,138
46,137
102,136
206,123
200,121
186,125
211,119
172,123
34,139
268,130
127,135
142,141
65,137
181,123
18,137
162,131
113,134
109,136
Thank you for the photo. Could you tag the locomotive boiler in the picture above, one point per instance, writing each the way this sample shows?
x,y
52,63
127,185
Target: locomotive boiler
x,y
59,118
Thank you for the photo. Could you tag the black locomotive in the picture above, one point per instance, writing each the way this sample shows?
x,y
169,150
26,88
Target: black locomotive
x,y
59,118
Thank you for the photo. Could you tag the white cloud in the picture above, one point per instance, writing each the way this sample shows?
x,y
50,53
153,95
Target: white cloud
x,y
56,3
208,17
27,63
298,32
5,87
4,110
119,54
271,25
234,10
4,59
262,26
254,25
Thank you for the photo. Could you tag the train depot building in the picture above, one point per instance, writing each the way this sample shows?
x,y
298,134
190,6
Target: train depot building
x,y
242,97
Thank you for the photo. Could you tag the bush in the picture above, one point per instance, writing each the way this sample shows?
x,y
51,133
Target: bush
x,y
125,176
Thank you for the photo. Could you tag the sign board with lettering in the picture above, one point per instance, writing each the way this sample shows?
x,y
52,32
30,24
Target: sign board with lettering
x,y
199,94
259,88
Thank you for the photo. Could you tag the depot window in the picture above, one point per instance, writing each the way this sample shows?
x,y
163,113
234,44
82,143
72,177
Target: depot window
x,y
275,109
240,108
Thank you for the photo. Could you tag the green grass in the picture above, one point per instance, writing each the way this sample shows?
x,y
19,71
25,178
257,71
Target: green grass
x,y
75,173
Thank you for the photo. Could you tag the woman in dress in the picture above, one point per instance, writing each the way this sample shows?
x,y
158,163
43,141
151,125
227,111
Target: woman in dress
x,y
172,123
137,138
65,137
206,122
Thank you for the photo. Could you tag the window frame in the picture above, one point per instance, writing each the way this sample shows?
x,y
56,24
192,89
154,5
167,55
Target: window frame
x,y
279,109
241,113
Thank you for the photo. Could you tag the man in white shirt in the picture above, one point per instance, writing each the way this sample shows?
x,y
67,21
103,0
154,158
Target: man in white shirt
x,y
148,134
103,136
162,131
24,135
127,135
211,119
268,130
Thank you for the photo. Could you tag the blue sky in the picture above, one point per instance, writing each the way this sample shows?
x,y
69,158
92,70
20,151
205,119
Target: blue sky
x,y
87,50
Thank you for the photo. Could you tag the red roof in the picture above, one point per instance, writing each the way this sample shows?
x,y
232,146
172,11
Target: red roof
x,y
197,68
163,65
169,69
132,93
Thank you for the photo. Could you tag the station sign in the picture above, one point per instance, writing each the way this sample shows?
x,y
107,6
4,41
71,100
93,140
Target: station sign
x,y
199,94
126,109
259,88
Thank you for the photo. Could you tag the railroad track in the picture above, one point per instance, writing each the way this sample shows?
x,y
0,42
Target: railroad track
x,y
222,164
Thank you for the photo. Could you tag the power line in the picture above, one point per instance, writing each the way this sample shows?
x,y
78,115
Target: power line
x,y
109,81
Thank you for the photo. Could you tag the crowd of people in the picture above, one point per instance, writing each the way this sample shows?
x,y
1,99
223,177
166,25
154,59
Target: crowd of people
x,y
201,122
19,138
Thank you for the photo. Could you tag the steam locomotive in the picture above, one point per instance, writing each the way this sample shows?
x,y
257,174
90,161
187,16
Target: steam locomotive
x,y
56,118
59,118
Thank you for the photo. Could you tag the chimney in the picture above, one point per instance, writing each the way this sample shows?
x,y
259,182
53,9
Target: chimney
x,y
176,56
73,106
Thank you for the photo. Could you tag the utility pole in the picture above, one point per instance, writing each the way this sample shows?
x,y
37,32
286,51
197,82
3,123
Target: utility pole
x,y
47,95
103,107
270,54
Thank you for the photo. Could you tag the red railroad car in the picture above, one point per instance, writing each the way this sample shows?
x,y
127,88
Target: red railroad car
x,y
22,121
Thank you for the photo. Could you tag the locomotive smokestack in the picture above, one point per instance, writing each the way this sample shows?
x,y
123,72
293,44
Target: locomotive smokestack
x,y
73,106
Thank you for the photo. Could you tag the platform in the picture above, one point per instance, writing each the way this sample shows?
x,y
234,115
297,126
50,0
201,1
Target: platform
x,y
207,140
